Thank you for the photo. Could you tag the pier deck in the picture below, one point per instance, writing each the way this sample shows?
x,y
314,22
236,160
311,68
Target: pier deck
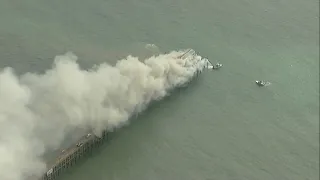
x,y
71,155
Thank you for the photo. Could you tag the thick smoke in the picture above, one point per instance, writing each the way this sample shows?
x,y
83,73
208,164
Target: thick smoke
x,y
38,111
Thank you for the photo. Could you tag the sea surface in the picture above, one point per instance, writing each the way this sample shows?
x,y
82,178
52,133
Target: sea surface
x,y
222,126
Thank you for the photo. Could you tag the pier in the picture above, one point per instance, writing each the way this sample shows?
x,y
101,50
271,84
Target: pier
x,y
70,156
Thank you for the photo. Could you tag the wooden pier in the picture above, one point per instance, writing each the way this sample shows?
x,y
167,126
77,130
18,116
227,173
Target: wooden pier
x,y
86,144
70,156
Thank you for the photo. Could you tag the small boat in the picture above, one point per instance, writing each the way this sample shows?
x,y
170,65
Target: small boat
x,y
262,83
217,66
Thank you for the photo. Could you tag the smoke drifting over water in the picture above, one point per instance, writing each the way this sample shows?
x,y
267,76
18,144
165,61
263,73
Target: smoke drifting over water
x,y
37,111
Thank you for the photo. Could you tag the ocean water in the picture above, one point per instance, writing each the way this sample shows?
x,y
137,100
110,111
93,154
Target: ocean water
x,y
222,126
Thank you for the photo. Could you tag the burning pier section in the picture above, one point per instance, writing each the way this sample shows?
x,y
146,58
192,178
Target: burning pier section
x,y
86,144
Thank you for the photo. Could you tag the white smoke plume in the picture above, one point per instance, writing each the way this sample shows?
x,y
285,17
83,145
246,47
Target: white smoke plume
x,y
38,111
